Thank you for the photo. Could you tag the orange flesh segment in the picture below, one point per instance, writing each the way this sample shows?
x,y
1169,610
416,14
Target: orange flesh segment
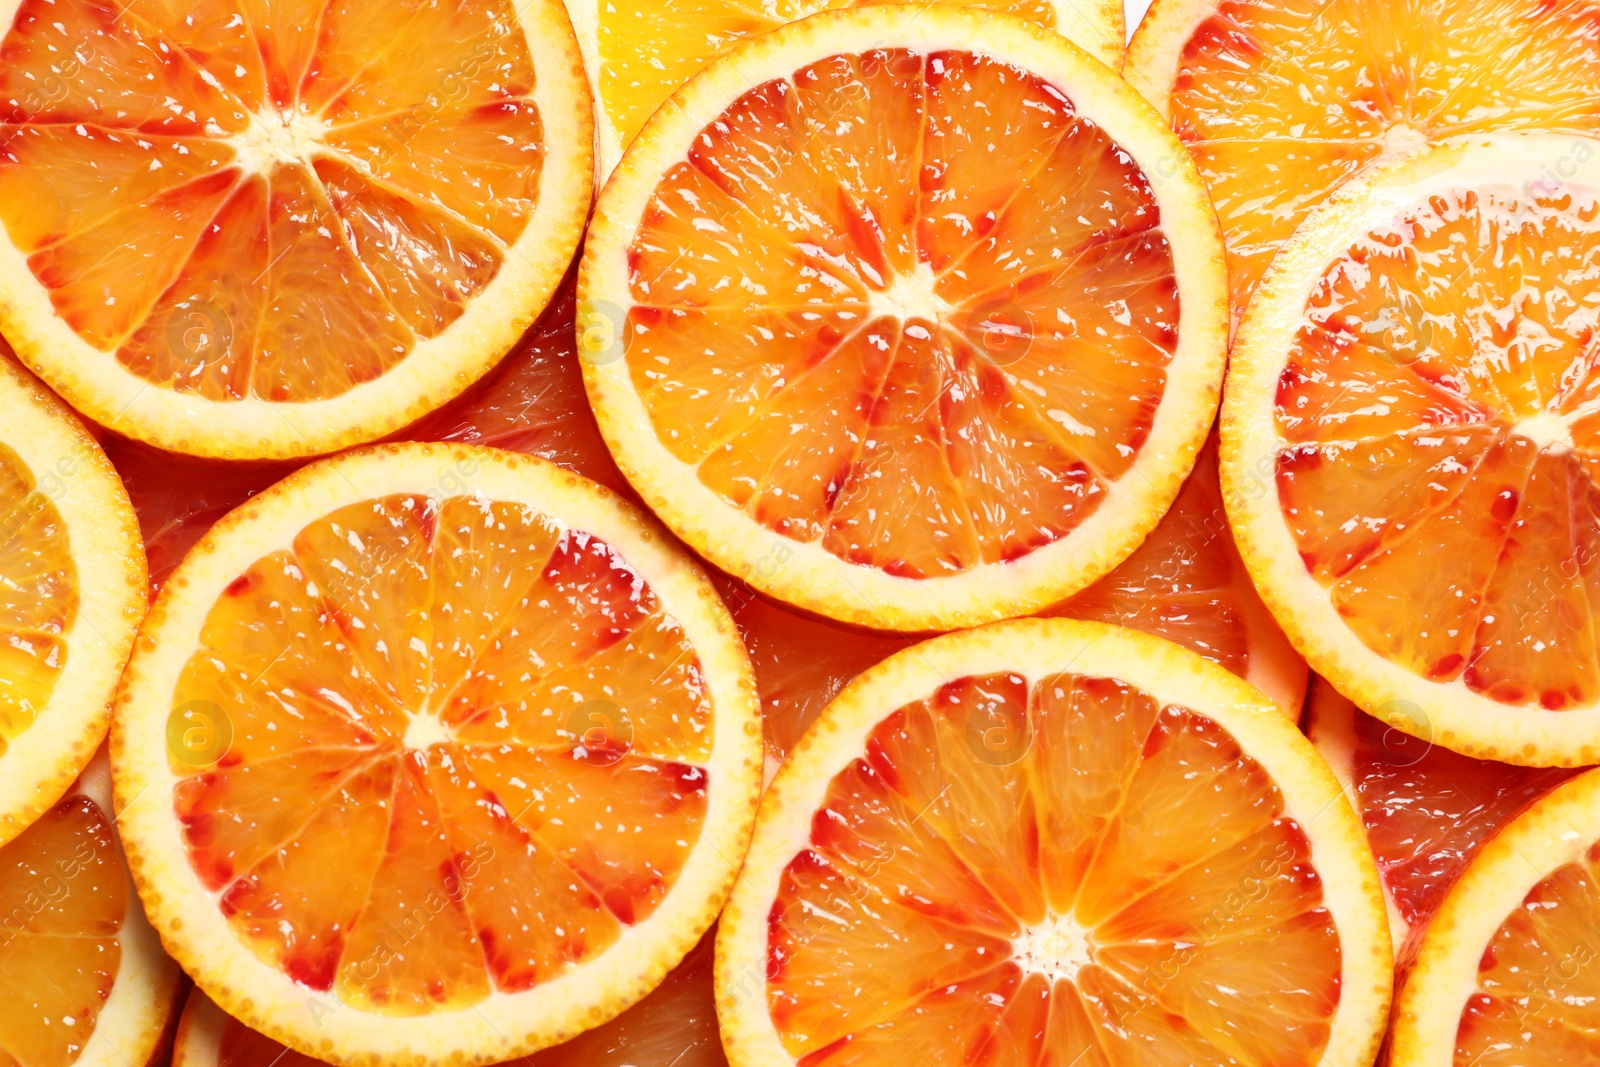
x,y
919,380
1282,101
1536,996
38,594
156,166
960,892
425,696
64,895
1437,401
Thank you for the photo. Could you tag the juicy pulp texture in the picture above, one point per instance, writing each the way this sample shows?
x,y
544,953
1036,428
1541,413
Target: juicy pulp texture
x,y
63,898
38,593
1284,100
1536,999
467,750
913,308
1441,402
1051,873
240,199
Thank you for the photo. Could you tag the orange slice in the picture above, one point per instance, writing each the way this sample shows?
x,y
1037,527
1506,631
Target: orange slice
x,y
83,980
638,51
925,303
437,752
72,592
1053,842
1505,973
1410,445
238,230
1426,810
1282,101
675,1026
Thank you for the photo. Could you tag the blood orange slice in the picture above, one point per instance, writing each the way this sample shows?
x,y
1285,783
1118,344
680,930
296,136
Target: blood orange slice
x,y
434,751
639,51
72,592
1505,973
1409,445
1052,842
926,302
83,980
1426,810
242,231
1282,101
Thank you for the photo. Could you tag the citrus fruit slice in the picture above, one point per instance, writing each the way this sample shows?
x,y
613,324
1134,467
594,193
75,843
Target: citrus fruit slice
x,y
1281,101
246,231
925,299
1426,810
437,752
72,592
638,53
675,1026
83,980
1050,842
1505,972
1409,445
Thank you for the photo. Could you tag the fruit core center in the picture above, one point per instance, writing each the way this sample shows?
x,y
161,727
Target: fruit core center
x,y
276,137
426,729
1546,430
1057,948
1401,141
911,296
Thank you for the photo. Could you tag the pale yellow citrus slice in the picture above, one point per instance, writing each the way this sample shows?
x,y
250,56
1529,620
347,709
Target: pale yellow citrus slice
x,y
72,592
434,752
1505,975
909,316
675,1026
240,229
83,980
638,52
1426,810
1410,441
1053,842
1282,101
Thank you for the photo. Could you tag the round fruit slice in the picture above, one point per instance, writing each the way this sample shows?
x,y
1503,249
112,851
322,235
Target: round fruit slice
x,y
1282,101
437,752
1505,973
256,230
1410,441
83,980
639,51
926,300
675,1026
1426,809
72,592
1053,842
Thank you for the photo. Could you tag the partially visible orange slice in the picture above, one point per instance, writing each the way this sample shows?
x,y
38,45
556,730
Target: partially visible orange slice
x,y
910,317
83,980
638,52
675,1026
1053,842
1426,810
1411,442
72,592
434,751
1505,973
1282,101
250,232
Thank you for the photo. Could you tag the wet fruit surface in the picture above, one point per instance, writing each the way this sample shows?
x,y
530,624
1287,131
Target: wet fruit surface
x,y
1044,873
1439,403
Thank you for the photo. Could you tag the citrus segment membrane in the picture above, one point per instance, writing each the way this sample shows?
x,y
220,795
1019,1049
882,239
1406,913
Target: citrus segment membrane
x,y
1282,101
910,311
1037,866
229,204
